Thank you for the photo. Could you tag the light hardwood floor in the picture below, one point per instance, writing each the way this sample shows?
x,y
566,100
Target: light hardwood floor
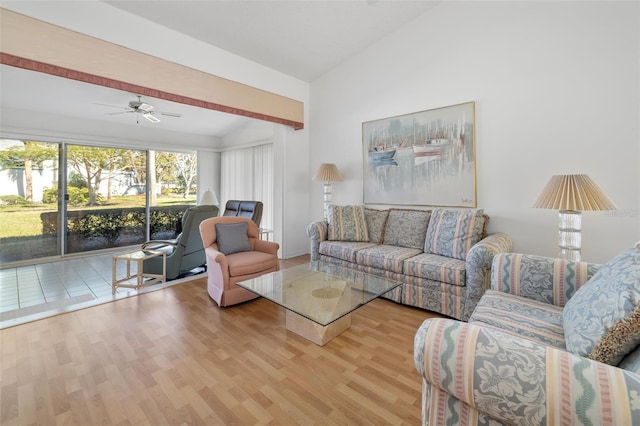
x,y
173,357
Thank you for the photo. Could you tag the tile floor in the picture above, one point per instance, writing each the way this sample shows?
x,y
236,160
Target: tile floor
x,y
31,285
35,291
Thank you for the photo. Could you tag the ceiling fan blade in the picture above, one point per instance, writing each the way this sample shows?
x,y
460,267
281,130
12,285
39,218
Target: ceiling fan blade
x,y
110,106
170,114
145,107
152,118
118,113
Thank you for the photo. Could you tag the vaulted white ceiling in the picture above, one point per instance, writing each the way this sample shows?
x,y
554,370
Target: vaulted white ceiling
x,y
300,38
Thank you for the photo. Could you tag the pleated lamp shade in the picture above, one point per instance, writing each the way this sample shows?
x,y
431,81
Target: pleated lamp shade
x,y
573,192
328,172
571,195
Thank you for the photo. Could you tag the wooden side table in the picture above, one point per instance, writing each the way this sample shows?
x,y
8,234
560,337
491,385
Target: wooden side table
x,y
139,257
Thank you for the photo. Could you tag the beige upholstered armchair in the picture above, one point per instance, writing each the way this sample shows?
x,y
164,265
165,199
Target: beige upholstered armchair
x,y
234,253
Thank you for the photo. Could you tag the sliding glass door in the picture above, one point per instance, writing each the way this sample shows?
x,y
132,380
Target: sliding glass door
x,y
28,200
105,198
60,199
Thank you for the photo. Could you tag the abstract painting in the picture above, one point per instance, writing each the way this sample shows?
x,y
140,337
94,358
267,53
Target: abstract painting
x,y
422,158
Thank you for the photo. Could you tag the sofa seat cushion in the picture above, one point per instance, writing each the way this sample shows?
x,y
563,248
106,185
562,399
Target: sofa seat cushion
x,y
437,268
601,319
521,316
343,250
388,258
250,262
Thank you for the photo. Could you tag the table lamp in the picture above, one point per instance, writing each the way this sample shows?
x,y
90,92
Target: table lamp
x,y
209,198
327,172
572,194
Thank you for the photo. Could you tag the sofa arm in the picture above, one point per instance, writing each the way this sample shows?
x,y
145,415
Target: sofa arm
x,y
478,268
317,232
517,381
545,279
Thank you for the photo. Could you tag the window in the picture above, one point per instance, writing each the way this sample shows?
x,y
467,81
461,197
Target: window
x,y
62,198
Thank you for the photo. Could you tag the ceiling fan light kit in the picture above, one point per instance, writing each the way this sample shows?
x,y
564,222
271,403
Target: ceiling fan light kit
x,y
138,105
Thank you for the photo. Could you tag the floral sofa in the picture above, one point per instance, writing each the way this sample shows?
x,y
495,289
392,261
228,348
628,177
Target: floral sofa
x,y
552,342
442,256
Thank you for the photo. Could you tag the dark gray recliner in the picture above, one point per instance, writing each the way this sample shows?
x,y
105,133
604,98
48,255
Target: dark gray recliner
x,y
185,252
249,209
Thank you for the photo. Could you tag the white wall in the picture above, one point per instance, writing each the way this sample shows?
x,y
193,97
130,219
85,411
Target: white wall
x,y
209,164
102,21
557,90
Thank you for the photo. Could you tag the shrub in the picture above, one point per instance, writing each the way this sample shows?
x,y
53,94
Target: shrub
x,y
76,180
166,220
108,224
77,196
50,195
12,200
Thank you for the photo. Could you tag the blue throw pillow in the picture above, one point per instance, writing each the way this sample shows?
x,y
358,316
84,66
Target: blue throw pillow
x,y
601,319
232,237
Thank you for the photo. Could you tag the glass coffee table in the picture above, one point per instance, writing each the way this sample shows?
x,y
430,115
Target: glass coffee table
x,y
319,297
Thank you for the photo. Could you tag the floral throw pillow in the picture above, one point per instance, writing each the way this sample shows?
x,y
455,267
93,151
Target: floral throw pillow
x,y
601,320
348,223
452,233
376,221
406,228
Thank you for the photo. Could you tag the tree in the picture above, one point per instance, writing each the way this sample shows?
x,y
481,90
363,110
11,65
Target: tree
x,y
89,162
27,156
115,159
187,171
163,169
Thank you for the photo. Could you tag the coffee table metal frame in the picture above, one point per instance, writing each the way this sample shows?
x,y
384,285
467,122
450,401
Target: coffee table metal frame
x,y
319,297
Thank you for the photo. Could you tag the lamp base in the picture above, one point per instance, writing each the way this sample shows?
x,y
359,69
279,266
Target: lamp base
x,y
570,235
327,200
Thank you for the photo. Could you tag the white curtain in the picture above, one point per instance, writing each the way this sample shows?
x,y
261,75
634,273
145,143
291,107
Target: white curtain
x,y
247,174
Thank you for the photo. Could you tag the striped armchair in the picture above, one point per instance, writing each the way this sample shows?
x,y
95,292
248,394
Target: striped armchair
x,y
515,362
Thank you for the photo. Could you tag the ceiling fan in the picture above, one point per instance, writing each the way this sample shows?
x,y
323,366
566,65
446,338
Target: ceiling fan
x,y
142,108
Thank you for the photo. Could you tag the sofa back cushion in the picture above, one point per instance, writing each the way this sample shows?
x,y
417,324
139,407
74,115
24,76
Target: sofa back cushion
x,y
452,233
376,221
602,319
347,223
406,228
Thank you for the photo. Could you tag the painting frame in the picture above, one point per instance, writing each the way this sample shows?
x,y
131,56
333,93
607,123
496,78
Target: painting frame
x,y
425,158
